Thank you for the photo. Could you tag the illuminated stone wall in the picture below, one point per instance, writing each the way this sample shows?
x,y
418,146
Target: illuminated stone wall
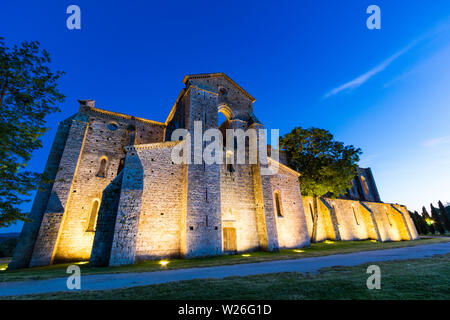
x,y
203,229
325,228
106,222
394,223
60,196
360,220
238,205
292,229
63,233
106,137
162,205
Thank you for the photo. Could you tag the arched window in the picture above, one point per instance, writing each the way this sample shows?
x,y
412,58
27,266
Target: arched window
x,y
93,215
113,126
229,161
121,165
365,186
354,188
354,215
102,168
311,212
278,204
335,214
387,216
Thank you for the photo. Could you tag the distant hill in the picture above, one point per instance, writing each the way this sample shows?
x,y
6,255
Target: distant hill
x,y
9,235
8,242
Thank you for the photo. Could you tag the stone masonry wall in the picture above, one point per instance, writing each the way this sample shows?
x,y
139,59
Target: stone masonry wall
x,y
127,220
238,205
106,138
163,203
361,220
59,201
106,222
354,221
292,228
412,231
203,214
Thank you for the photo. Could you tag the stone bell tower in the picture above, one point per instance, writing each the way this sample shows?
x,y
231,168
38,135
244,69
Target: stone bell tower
x,y
204,96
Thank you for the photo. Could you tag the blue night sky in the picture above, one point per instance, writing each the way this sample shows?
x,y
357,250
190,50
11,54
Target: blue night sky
x,y
307,63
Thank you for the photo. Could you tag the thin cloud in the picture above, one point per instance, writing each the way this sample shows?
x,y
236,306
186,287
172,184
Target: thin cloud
x,y
442,28
355,83
436,141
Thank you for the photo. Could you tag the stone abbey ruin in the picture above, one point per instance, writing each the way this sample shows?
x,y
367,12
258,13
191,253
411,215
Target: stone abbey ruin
x,y
117,197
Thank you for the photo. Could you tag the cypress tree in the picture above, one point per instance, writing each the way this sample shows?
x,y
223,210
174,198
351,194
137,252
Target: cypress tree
x,y
414,219
428,221
447,211
438,224
444,216
422,224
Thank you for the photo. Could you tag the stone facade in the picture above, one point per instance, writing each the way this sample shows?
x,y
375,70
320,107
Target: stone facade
x,y
118,198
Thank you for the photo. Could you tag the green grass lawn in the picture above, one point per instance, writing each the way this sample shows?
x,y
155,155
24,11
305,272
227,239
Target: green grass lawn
x,y
317,249
421,279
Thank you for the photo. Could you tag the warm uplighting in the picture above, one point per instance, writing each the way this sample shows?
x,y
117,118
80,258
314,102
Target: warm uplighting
x,y
246,255
328,242
2,269
373,241
299,251
429,221
164,263
82,262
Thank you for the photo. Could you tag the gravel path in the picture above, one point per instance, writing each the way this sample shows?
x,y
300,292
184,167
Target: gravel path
x,y
123,280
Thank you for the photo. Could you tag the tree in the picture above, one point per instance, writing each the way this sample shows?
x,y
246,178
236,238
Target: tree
x,y
444,216
415,221
422,224
447,210
326,166
28,92
428,220
438,224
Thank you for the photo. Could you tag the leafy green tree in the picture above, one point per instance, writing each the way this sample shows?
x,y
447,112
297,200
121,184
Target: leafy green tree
x,y
326,166
28,92
428,220
444,216
438,223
